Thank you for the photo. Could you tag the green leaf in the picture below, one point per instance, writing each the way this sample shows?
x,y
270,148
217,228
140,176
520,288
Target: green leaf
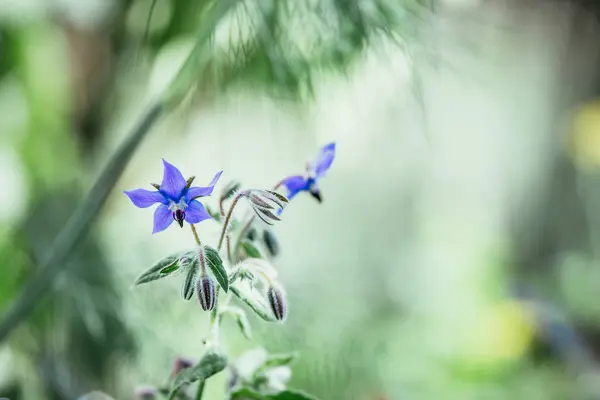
x,y
256,307
162,268
241,319
278,360
188,286
250,249
212,363
215,263
170,268
215,214
247,393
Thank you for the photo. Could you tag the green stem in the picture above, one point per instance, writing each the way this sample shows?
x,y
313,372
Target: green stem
x,y
76,227
200,390
147,29
228,218
196,237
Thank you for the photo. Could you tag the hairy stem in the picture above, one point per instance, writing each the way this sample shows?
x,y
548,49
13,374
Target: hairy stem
x,y
228,246
77,226
196,234
228,218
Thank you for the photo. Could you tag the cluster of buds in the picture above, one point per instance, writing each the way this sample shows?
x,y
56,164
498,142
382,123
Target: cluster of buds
x,y
251,268
266,204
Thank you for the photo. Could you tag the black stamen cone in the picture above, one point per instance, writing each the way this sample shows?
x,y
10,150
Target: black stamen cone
x,y
205,288
317,195
277,302
179,216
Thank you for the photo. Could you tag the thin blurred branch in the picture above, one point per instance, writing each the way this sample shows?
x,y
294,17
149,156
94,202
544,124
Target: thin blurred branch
x,y
84,215
77,226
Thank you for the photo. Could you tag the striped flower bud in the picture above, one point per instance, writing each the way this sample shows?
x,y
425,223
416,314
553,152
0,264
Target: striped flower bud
x,y
277,302
205,288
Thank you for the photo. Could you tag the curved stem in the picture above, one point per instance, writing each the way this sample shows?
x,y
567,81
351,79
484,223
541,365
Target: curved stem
x,y
196,235
147,29
200,390
77,226
228,218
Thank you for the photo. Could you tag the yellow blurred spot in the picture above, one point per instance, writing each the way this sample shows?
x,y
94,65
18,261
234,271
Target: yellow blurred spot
x,y
585,136
501,334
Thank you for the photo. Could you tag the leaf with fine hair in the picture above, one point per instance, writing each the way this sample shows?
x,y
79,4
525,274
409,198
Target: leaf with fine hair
x,y
211,363
259,309
215,263
188,286
250,249
162,268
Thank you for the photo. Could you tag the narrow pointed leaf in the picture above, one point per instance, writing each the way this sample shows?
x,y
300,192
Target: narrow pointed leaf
x,y
262,217
213,213
161,269
188,286
278,196
250,249
259,309
211,363
170,268
215,263
278,360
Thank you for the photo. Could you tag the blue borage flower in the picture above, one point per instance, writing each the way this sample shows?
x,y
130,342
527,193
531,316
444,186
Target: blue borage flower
x,y
176,197
315,170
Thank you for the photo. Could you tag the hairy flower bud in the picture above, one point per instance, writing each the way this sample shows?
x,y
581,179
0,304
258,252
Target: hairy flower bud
x,y
277,302
205,288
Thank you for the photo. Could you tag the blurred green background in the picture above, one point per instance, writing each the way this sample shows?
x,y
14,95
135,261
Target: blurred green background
x,y
455,255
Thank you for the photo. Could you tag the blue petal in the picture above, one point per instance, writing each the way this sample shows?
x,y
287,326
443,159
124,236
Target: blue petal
x,y
196,212
143,198
323,160
173,183
163,217
195,192
294,185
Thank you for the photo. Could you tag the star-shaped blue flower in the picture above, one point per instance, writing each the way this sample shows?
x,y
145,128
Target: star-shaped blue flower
x,y
176,198
314,172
